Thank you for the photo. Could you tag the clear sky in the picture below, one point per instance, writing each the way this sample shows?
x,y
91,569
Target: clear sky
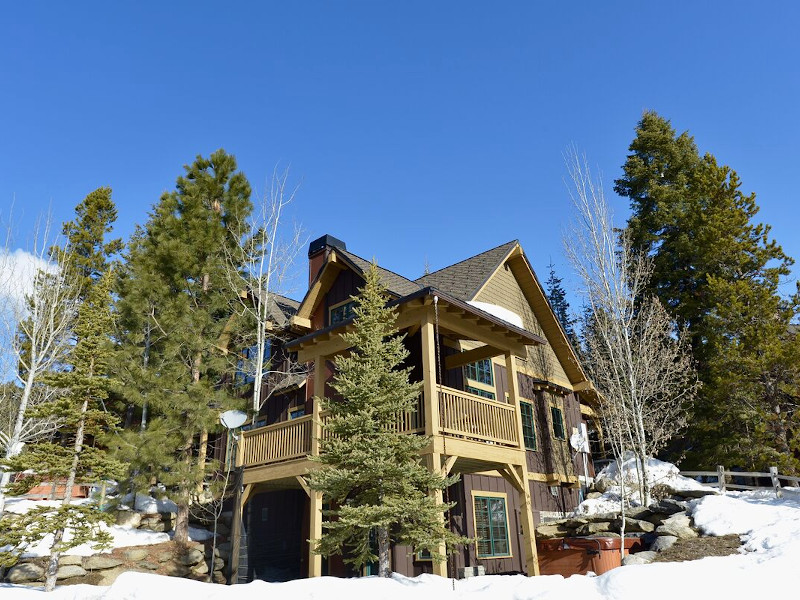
x,y
421,131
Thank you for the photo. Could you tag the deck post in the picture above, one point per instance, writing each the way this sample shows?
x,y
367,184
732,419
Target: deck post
x,y
434,463
314,497
429,394
525,503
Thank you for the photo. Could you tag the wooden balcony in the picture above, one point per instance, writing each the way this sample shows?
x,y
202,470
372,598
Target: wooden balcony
x,y
471,417
462,415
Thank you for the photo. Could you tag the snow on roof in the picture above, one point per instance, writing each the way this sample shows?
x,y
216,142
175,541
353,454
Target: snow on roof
x,y
506,315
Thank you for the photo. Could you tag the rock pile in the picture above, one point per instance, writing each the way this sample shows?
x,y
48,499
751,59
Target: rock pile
x,y
658,526
192,562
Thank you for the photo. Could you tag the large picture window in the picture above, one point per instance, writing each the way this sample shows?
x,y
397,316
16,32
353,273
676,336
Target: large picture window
x,y
491,526
528,427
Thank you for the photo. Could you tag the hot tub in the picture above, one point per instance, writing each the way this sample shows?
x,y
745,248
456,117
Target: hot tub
x,y
579,555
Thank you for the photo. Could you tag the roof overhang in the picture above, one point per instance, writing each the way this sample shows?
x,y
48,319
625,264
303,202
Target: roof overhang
x,y
450,314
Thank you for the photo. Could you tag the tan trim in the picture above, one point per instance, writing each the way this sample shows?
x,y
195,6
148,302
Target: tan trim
x,y
318,288
552,478
504,496
588,410
470,356
337,305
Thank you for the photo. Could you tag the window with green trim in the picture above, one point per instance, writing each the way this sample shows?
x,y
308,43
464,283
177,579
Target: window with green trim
x,y
479,392
342,312
558,423
528,428
491,526
480,371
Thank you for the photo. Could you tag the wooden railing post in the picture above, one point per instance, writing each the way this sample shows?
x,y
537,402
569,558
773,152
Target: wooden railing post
x,y
429,390
319,393
721,478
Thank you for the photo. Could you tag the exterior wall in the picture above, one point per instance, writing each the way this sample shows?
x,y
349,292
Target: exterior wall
x,y
504,290
274,530
345,285
547,498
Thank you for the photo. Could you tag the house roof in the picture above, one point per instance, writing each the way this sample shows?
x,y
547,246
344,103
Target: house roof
x,y
281,308
395,284
464,279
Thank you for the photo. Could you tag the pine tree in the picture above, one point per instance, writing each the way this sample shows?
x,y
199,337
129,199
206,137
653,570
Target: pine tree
x,y
558,302
77,456
372,476
174,307
690,215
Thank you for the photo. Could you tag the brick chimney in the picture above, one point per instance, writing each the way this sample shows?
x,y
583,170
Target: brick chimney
x,y
318,252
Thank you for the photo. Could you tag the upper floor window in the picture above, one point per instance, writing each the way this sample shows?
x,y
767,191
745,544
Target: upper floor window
x,y
480,371
558,423
528,427
247,365
342,312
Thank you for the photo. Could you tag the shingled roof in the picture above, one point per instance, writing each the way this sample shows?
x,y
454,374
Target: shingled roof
x,y
395,284
465,278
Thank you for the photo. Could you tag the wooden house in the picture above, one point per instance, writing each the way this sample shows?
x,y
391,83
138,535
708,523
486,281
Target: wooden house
x,y
503,394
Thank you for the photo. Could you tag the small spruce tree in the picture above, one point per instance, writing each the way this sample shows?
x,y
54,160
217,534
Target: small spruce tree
x,y
373,479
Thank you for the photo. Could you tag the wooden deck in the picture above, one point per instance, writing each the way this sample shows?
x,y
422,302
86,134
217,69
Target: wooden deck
x,y
486,426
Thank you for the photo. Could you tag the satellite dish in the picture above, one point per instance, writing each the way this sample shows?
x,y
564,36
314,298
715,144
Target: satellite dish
x,y
233,419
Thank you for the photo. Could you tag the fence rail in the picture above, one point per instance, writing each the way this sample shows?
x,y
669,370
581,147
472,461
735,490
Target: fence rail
x,y
722,479
282,441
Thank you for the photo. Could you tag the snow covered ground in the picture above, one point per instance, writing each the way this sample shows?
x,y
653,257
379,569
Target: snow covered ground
x,y
770,566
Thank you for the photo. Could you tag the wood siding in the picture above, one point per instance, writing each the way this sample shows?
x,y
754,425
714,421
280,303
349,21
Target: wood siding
x,y
504,290
273,523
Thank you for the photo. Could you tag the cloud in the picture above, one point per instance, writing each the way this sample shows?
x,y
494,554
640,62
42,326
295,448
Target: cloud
x,y
17,272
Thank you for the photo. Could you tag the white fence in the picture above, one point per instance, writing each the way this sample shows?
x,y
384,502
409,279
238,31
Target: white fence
x,y
724,480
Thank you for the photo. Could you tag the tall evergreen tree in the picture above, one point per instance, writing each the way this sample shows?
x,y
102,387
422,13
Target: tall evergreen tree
x,y
690,215
174,307
558,301
77,455
373,478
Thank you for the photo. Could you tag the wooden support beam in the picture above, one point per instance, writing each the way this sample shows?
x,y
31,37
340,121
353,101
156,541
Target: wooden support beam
x,y
314,533
430,396
520,474
448,465
303,484
434,462
470,356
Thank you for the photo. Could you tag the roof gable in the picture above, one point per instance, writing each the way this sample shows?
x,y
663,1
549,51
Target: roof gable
x,y
465,279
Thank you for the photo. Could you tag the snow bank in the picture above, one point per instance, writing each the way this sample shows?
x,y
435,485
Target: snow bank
x,y
150,505
609,479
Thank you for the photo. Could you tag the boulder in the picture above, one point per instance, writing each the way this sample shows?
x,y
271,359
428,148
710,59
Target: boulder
x,y
177,570
668,506
109,576
605,534
192,556
163,557
696,493
218,577
678,525
25,573
68,571
70,559
150,566
548,532
129,518
640,558
637,512
633,526
663,542
135,554
592,528
593,495
101,561
575,522
200,569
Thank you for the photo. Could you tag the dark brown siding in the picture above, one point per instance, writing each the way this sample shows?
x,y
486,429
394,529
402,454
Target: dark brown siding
x,y
274,523
565,500
346,285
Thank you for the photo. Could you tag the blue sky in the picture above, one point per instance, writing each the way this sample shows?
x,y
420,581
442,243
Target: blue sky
x,y
421,131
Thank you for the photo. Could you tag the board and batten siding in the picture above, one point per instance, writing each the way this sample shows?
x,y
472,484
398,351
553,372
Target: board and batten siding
x,y
503,290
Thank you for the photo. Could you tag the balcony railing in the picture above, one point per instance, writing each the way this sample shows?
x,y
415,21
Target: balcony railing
x,y
282,441
461,415
471,417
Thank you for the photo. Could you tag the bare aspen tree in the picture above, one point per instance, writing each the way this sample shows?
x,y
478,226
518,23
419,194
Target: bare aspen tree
x,y
268,254
636,357
38,308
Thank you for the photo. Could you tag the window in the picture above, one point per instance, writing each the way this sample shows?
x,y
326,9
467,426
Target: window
x,y
248,361
479,392
491,526
342,312
528,428
558,423
480,371
297,413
